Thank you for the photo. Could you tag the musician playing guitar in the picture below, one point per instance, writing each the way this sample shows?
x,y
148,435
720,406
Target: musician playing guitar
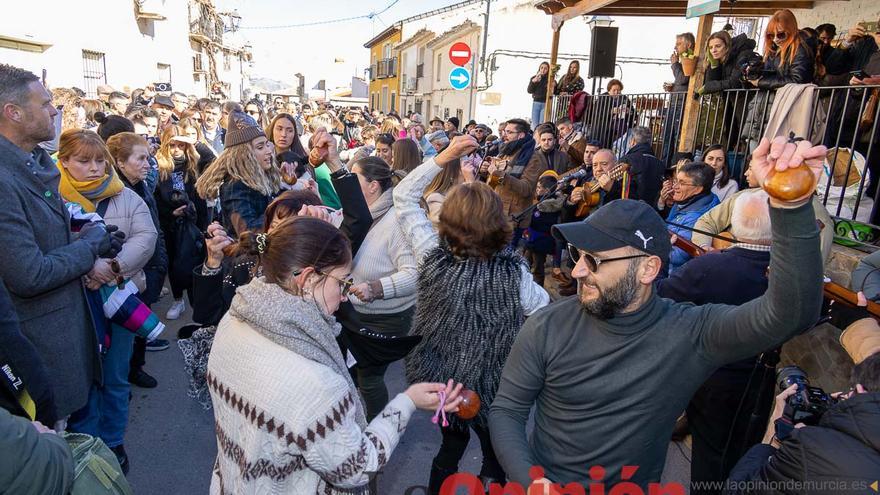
x,y
604,164
514,173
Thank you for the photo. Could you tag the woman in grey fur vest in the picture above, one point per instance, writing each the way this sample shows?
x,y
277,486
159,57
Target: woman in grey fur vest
x,y
473,295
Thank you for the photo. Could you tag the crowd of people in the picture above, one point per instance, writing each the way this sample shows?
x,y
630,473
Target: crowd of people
x,y
317,245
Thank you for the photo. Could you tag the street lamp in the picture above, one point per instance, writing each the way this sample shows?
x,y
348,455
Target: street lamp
x,y
598,21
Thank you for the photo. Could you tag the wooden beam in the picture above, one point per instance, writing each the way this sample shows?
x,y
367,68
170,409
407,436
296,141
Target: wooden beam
x,y
692,106
551,74
648,5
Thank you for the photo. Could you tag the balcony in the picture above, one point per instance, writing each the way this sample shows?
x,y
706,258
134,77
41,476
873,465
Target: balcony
x,y
736,119
420,70
410,84
386,68
153,10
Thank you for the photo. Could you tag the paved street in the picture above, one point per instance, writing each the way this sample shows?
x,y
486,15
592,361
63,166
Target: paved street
x,y
170,438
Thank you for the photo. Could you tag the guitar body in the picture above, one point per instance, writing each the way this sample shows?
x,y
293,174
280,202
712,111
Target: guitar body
x,y
500,164
591,200
721,243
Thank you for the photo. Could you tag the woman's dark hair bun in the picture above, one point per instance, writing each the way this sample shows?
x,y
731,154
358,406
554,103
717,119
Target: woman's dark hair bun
x,y
247,244
101,117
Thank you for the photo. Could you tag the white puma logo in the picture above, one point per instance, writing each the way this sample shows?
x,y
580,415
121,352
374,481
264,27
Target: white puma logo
x,y
642,237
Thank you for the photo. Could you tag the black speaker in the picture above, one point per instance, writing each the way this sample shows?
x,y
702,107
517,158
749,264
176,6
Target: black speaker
x,y
603,51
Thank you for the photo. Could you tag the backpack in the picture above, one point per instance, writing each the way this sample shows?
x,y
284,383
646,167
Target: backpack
x,y
95,468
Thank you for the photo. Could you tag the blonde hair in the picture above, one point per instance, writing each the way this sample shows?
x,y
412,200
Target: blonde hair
x,y
326,120
84,142
166,163
238,163
391,126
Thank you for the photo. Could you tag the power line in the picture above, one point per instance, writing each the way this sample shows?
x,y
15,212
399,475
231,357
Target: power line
x,y
371,15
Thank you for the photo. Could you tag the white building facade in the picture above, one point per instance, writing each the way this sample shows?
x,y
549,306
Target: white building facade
x,y
518,40
124,44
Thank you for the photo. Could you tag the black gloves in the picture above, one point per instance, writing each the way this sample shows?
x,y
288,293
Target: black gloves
x,y
105,241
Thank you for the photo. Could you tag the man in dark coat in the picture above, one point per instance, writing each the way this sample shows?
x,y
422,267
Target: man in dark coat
x,y
718,413
45,279
647,170
843,450
548,150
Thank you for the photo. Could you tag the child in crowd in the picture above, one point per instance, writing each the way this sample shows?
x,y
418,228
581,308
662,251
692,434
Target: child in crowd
x,y
539,240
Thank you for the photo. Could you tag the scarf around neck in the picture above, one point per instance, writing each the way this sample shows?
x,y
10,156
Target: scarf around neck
x,y
296,324
526,144
382,204
88,194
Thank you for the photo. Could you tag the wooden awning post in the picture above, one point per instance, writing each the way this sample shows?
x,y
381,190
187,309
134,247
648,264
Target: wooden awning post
x,y
692,105
551,75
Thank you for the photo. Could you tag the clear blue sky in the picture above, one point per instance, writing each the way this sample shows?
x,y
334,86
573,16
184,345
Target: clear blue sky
x,y
330,51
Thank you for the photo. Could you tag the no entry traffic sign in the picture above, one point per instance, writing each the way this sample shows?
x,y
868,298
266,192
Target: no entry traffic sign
x,y
459,53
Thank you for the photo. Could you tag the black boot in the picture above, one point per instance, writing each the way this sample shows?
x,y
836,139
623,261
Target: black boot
x,y
122,457
141,378
438,476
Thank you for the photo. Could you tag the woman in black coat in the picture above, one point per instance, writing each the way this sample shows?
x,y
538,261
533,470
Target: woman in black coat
x,y
787,56
725,58
182,213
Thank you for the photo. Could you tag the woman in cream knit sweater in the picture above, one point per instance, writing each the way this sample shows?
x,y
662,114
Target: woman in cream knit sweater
x,y
288,417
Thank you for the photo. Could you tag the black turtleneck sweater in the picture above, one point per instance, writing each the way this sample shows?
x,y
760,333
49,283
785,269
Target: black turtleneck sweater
x,y
607,393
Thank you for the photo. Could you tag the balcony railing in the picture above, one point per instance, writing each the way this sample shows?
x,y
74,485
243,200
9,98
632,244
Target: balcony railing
x,y
386,67
737,119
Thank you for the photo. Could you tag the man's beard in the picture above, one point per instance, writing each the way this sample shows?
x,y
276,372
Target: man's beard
x,y
616,298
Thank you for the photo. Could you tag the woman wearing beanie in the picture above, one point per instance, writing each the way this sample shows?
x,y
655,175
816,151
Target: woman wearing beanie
x,y
131,154
182,213
89,180
244,176
385,276
474,292
276,375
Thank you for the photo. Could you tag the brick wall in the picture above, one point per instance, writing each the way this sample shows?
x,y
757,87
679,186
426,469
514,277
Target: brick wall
x,y
843,14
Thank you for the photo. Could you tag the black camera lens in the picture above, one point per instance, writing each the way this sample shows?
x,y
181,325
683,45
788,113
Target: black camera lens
x,y
789,375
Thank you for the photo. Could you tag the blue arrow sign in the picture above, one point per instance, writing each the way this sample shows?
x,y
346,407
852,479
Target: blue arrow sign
x,y
459,78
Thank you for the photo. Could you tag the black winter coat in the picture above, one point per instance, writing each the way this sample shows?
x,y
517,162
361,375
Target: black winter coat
x,y
844,447
212,294
800,71
647,172
728,74
538,90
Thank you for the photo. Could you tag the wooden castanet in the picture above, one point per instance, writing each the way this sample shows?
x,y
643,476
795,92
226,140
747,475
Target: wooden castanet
x,y
289,179
317,156
791,183
470,404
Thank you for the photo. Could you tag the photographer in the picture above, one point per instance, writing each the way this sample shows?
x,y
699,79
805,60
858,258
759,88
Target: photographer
x,y
842,447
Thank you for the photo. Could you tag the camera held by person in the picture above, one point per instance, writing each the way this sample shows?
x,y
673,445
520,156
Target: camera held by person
x,y
833,443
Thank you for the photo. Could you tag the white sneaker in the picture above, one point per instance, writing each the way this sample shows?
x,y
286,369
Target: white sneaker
x,y
174,311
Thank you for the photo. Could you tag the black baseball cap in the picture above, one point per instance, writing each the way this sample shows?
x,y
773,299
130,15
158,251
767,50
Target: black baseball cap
x,y
622,222
163,100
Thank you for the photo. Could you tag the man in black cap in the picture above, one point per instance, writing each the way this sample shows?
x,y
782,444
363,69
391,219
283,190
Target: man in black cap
x,y
610,370
165,108
451,125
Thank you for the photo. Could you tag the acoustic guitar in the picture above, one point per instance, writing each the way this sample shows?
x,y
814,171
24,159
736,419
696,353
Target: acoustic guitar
x,y
592,196
500,164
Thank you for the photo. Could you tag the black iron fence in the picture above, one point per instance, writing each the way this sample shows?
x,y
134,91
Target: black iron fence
x,y
846,119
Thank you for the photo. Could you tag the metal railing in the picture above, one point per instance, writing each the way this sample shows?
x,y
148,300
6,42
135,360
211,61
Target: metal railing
x,y
841,118
386,67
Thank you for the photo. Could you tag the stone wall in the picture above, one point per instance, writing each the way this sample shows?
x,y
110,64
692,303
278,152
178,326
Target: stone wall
x,y
843,14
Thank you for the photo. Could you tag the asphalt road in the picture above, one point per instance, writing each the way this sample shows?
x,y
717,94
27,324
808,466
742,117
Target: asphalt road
x,y
171,445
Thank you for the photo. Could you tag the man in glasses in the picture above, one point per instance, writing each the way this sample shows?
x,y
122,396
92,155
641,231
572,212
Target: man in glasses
x,y
690,194
610,370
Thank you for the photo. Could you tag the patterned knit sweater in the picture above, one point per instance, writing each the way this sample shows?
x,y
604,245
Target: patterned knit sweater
x,y
287,424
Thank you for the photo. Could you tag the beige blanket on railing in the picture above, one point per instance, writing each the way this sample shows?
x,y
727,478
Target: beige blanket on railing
x,y
792,112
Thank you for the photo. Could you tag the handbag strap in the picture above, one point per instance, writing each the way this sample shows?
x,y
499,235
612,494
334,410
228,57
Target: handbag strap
x,y
101,207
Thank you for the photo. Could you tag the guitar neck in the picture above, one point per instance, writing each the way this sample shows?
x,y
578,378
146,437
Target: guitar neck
x,y
614,175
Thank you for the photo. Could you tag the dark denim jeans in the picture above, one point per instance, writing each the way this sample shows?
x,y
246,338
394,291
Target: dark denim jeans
x,y
106,414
